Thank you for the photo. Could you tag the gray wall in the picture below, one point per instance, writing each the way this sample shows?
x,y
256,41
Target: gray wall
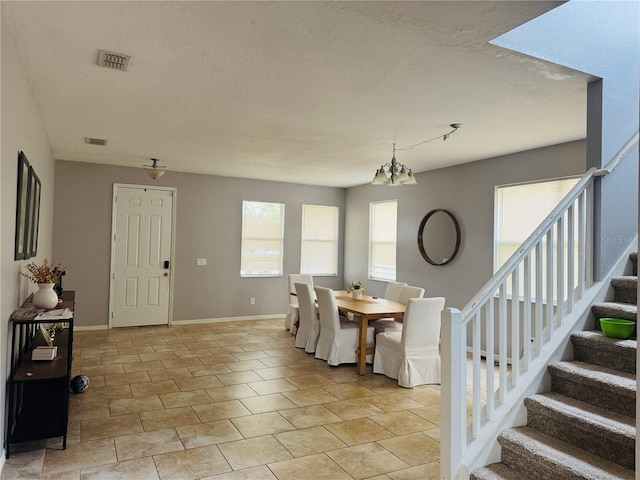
x,y
601,39
208,225
615,219
468,192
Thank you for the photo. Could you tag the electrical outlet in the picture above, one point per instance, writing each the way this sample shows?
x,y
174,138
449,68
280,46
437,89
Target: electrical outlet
x,y
253,301
201,262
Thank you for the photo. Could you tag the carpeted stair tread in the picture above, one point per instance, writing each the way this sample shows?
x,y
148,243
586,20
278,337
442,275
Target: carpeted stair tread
x,y
496,471
595,429
526,449
624,383
626,311
595,384
610,423
594,347
624,281
625,289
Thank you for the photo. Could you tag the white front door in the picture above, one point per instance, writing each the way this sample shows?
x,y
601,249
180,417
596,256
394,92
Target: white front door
x,y
141,255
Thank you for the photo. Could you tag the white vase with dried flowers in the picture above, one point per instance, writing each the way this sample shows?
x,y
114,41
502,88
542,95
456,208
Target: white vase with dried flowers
x,y
46,276
45,296
356,289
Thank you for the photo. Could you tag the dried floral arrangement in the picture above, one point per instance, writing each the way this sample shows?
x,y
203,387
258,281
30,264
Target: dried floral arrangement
x,y
45,273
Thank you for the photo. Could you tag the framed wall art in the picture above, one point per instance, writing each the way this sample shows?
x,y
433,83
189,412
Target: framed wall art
x,y
27,210
22,209
34,212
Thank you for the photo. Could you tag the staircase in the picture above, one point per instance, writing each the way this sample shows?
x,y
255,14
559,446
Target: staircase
x,y
585,427
625,300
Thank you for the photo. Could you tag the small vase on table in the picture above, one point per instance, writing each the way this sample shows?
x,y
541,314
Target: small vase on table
x,y
45,296
357,294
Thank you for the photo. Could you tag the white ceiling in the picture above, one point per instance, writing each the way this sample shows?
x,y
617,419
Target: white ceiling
x,y
305,92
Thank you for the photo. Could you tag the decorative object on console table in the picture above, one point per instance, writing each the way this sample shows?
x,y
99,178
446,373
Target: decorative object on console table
x,y
46,276
44,353
48,333
356,289
26,313
58,287
45,296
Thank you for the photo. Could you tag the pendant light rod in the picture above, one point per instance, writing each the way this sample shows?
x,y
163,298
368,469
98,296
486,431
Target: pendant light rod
x,y
444,136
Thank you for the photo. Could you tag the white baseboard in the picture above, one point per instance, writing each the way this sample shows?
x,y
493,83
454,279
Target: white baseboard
x,y
78,328
228,319
193,321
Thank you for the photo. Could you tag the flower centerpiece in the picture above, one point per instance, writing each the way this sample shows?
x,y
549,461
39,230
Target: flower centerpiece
x,y
356,289
46,276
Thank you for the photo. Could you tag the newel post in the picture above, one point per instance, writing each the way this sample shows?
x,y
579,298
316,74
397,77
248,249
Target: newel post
x,y
453,410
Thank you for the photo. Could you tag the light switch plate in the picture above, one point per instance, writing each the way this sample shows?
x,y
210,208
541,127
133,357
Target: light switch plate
x,y
201,262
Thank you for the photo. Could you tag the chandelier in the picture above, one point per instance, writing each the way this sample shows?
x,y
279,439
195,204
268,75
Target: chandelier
x,y
395,173
154,170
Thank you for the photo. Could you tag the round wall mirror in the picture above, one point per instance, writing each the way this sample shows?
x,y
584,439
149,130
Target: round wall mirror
x,y
439,237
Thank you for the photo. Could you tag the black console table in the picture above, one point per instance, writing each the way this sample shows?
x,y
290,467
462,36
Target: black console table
x,y
38,390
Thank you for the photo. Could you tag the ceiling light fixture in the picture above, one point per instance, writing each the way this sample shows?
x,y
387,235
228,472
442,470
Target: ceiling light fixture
x,y
394,173
154,170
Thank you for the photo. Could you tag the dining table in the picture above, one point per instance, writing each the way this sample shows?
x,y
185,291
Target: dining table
x,y
365,310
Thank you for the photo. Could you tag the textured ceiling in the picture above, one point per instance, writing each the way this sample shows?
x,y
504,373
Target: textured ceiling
x,y
305,92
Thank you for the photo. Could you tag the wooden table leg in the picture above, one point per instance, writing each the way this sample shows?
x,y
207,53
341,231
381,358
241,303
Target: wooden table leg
x,y
362,346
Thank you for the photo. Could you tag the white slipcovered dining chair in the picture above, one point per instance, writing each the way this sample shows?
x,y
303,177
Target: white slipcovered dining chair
x,y
309,324
393,291
411,355
339,338
407,292
291,319
400,294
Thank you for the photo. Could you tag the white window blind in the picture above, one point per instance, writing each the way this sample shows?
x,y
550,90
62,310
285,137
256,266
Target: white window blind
x,y
519,210
319,247
382,240
262,239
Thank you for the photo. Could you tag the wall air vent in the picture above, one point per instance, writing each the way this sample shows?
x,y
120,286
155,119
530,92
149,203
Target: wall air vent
x,y
116,61
95,141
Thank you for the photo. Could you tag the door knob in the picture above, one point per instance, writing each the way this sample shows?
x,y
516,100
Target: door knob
x,y
166,274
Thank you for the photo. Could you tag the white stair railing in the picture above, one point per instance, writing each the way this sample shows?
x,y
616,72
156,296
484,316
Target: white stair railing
x,y
508,324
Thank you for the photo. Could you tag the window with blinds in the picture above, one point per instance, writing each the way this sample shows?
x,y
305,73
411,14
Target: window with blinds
x,y
262,239
383,220
519,210
319,247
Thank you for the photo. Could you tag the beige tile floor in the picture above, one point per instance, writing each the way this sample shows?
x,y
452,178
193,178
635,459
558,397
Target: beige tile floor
x,y
231,401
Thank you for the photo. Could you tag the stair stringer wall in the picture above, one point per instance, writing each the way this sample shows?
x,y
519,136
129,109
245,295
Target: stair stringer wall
x,y
486,449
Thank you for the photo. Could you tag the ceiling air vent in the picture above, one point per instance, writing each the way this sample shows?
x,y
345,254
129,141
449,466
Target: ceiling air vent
x,y
95,141
116,61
